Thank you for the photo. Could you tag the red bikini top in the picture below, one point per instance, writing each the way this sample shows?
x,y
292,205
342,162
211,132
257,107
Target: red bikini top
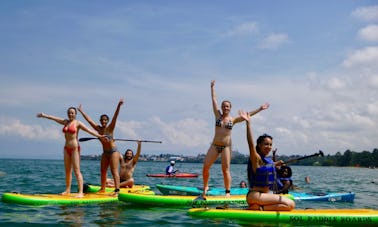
x,y
70,128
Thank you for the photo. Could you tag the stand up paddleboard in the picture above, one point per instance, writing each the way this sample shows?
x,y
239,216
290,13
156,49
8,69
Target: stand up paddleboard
x,y
344,217
298,196
57,199
91,196
181,201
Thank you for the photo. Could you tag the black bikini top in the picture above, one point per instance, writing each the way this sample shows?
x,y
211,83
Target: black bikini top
x,y
228,125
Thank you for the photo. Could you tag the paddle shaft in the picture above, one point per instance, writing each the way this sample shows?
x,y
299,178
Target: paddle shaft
x,y
309,156
144,141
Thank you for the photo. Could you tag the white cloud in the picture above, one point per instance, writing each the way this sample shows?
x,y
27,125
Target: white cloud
x,y
367,56
336,83
14,127
369,13
369,33
130,129
372,108
373,82
273,41
187,132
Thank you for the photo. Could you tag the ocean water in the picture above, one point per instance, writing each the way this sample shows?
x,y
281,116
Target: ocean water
x,y
47,176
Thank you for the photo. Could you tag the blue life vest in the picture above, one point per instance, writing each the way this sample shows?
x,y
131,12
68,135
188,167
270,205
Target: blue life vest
x,y
167,170
265,175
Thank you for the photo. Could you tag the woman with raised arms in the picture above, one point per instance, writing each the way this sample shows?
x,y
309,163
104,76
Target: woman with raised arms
x,y
261,174
221,144
71,147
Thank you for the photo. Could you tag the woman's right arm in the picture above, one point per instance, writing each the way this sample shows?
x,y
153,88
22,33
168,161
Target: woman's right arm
x,y
87,118
252,149
50,117
214,100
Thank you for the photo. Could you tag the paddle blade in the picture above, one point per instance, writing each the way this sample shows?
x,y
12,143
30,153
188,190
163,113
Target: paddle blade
x,y
86,139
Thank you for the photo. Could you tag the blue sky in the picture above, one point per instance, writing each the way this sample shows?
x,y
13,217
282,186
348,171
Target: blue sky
x,y
315,62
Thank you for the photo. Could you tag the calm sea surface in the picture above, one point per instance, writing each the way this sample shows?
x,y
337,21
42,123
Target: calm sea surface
x,y
47,176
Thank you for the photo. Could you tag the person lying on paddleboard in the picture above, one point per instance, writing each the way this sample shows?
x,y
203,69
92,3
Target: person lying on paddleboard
x,y
127,166
171,170
221,144
261,174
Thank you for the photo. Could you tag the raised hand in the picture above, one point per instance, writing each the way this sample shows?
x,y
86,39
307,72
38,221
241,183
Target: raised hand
x,y
243,114
264,106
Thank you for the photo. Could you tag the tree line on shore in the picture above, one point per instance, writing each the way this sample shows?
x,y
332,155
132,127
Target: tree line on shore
x,y
348,158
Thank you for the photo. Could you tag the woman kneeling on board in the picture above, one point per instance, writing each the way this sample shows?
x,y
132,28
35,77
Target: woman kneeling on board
x,y
261,174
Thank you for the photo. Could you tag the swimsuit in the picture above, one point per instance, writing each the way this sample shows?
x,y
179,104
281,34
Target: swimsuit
x,y
228,125
219,148
69,128
70,150
109,152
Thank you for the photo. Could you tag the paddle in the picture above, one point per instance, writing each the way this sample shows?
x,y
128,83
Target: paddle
x,y
144,141
320,153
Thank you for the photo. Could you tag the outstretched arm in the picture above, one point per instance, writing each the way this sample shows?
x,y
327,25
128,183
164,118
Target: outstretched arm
x,y
262,107
50,117
252,112
252,150
214,100
87,118
93,133
139,149
115,116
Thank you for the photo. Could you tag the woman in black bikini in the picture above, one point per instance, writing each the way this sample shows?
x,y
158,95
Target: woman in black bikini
x,y
221,144
110,156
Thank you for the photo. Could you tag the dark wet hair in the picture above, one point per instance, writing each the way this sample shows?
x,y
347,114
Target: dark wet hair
x,y
132,152
104,115
261,139
73,108
282,169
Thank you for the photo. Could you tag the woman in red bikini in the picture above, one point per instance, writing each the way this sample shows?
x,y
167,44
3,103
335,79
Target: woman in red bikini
x,y
110,156
221,144
71,147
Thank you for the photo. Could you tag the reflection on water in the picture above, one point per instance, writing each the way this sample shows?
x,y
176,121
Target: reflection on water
x,y
72,216
47,176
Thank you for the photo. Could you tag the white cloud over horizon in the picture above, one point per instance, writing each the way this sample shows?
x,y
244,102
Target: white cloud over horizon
x,y
322,96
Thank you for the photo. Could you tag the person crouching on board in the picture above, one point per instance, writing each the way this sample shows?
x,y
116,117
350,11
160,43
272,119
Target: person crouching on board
x,y
127,166
261,174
